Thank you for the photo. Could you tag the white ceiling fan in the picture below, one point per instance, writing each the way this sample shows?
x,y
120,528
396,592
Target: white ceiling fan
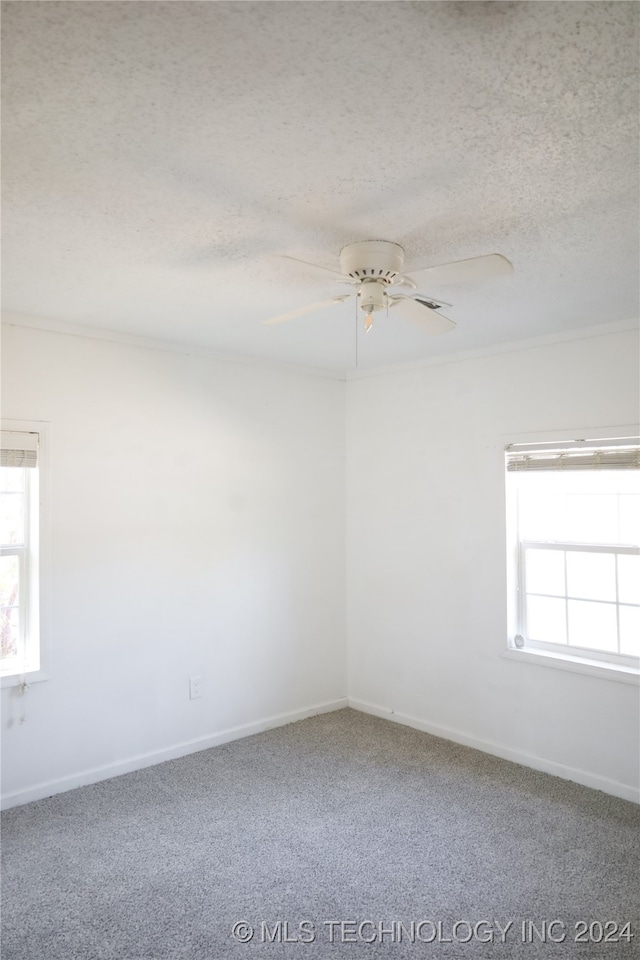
x,y
374,267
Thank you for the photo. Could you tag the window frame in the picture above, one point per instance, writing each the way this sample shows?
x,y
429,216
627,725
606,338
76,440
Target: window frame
x,y
35,563
575,659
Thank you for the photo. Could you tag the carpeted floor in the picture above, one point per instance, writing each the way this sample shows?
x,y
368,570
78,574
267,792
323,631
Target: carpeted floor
x,y
342,817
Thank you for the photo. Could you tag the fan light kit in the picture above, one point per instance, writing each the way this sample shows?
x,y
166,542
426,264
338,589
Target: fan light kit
x,y
375,267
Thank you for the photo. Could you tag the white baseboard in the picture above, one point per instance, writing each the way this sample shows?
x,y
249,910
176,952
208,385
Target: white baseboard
x,y
596,782
138,762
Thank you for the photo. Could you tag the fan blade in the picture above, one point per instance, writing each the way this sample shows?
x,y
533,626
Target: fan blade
x,y
421,313
314,266
301,311
466,271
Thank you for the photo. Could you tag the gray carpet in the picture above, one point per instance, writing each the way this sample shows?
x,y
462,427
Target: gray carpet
x,y
342,817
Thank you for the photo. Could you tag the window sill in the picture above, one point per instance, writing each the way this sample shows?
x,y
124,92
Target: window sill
x,y
560,661
28,677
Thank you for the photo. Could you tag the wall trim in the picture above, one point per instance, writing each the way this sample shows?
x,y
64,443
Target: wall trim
x,y
84,331
106,771
508,346
92,775
583,777
67,328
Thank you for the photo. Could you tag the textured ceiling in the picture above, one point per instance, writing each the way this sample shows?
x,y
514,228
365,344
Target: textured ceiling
x,y
158,155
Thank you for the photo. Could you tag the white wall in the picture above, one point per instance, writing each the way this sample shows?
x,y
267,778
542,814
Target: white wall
x,y
426,554
197,526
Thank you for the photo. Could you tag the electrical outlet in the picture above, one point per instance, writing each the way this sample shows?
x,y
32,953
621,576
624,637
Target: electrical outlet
x,y
195,687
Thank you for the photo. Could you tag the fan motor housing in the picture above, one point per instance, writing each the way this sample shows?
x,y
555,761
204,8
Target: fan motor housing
x,y
372,295
372,259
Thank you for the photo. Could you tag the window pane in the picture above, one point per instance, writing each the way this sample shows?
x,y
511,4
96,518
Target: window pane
x,y
628,578
628,481
11,518
630,631
593,625
543,516
592,518
546,619
596,482
630,519
9,581
8,632
545,571
11,478
599,506
591,575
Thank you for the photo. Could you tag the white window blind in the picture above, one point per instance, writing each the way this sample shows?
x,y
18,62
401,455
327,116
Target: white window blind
x,y
618,454
18,449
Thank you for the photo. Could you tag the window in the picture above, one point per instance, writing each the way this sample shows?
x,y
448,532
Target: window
x,y
574,529
20,647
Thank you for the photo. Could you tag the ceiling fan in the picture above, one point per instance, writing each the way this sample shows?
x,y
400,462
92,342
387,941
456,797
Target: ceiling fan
x,y
374,268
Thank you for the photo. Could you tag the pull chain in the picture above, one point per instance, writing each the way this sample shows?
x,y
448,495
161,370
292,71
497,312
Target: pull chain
x,y
356,327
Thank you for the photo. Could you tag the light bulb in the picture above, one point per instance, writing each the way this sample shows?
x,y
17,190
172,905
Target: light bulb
x,y
368,323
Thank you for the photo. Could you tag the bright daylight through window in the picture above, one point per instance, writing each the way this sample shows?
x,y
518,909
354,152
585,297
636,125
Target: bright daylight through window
x,y
19,554
574,546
